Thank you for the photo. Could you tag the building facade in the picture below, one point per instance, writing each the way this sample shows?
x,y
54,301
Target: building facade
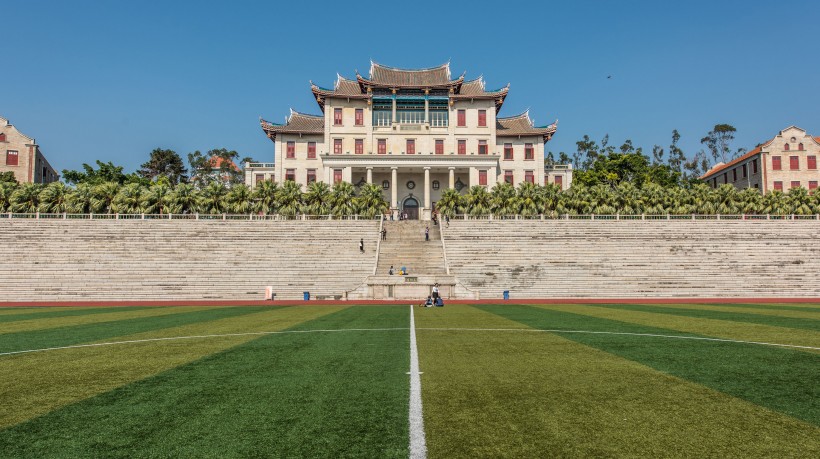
x,y
415,133
22,156
789,160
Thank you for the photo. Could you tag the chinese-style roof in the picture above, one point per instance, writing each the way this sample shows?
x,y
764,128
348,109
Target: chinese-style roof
x,y
342,88
296,123
476,89
391,77
522,125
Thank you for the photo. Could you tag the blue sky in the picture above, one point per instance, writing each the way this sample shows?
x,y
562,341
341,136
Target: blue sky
x,y
113,80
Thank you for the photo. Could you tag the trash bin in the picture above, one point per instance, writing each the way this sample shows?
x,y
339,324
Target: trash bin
x,y
506,294
307,295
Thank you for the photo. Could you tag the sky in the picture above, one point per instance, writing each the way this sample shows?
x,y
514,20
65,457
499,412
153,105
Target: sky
x,y
113,80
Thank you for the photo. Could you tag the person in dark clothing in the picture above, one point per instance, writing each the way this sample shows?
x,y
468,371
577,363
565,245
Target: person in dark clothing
x,y
426,233
384,234
361,245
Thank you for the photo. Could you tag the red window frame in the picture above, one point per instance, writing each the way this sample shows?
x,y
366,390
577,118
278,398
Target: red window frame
x,y
411,146
337,146
482,147
795,184
482,118
778,185
754,166
337,116
794,163
382,146
482,178
311,150
529,152
12,158
290,174
786,147
812,185
290,150
337,176
311,176
529,176
439,147
359,117
734,175
508,177
461,116
559,180
462,147
358,147
2,137
800,146
508,151
776,165
811,162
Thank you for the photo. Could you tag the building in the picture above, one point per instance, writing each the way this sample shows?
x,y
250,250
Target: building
x,y
23,157
789,160
413,132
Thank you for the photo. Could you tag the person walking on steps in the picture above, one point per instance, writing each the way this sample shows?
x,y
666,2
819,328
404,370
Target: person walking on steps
x,y
361,245
426,233
384,234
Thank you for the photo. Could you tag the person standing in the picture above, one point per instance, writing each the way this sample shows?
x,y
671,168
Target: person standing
x,y
426,233
390,271
384,234
435,292
361,245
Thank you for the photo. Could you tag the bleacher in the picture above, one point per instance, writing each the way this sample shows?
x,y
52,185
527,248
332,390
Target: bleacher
x,y
635,259
65,260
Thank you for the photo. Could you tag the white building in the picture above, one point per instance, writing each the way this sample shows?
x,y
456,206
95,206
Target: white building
x,y
415,133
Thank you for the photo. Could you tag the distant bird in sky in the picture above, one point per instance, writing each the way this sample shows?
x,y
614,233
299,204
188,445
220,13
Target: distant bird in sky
x,y
609,77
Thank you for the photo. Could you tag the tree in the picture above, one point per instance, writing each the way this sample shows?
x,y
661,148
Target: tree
x,y
450,203
129,200
657,154
289,198
504,200
676,155
8,177
185,198
264,197
718,142
316,200
107,172
370,201
478,201
238,200
26,198
215,165
212,198
6,190
342,199
54,198
159,198
164,163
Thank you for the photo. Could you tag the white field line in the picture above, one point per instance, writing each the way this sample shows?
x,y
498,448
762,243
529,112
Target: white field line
x,y
653,335
418,444
174,338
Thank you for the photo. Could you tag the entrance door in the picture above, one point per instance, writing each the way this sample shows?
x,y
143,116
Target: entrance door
x,y
411,208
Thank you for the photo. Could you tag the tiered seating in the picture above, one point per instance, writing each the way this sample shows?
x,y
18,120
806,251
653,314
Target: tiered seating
x,y
405,246
53,260
635,259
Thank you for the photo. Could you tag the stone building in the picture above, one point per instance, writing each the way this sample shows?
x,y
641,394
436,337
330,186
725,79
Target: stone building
x,y
22,156
415,133
789,160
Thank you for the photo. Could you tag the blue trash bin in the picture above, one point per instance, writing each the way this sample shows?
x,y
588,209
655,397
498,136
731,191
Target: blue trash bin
x,y
506,294
307,295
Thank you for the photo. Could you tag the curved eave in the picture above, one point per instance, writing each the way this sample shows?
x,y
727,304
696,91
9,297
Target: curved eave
x,y
372,84
499,97
545,132
272,129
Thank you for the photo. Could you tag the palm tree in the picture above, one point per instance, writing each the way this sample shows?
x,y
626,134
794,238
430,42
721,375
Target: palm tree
x,y
478,202
212,198
238,200
158,199
80,199
26,198
370,201
6,190
316,200
103,197
798,201
264,197
503,199
289,198
342,200
54,198
184,198
530,199
128,200
450,203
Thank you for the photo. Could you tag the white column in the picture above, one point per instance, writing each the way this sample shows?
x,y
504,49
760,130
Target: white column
x,y
452,177
369,175
473,177
394,190
394,105
329,176
347,174
427,196
426,106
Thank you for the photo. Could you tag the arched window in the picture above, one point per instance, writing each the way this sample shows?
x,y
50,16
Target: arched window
x,y
800,147
2,137
786,147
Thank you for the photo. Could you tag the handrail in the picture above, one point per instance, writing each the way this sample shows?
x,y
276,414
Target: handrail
x,y
618,217
194,216
443,246
378,245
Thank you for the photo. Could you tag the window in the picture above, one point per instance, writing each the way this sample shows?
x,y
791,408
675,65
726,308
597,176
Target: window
x,y
725,177
259,178
786,147
386,184
794,163
337,116
529,152
462,118
482,178
359,147
411,146
508,177
529,177
311,150
745,171
311,176
337,176
508,151
778,185
812,185
714,182
436,184
795,184
359,117
11,157
2,137
291,151
559,180
754,166
462,147
482,118
734,175
482,147
776,163
290,174
439,147
811,162
800,147
337,146
382,146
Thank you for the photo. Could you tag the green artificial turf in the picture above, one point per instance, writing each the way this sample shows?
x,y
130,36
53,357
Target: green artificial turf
x,y
61,312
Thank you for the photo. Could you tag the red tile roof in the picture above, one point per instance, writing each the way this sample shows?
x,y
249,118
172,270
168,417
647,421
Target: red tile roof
x,y
216,163
720,167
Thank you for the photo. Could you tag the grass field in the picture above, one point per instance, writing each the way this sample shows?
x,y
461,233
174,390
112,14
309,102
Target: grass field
x,y
722,380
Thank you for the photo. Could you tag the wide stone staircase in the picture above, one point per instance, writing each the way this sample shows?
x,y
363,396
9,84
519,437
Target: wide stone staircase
x,y
636,259
405,246
53,260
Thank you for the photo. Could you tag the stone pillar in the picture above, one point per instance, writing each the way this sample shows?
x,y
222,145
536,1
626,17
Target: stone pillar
x,y
394,191
452,177
394,105
426,106
427,200
369,175
473,177
347,174
329,175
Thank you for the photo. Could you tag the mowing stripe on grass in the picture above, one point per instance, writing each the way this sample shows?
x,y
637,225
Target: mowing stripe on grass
x,y
67,336
62,313
418,444
810,307
780,379
284,395
113,314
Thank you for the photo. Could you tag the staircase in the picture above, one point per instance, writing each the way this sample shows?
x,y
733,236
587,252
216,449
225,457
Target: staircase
x,y
405,246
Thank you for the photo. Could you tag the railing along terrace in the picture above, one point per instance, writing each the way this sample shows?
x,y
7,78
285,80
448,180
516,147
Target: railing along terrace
x,y
194,216
651,217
